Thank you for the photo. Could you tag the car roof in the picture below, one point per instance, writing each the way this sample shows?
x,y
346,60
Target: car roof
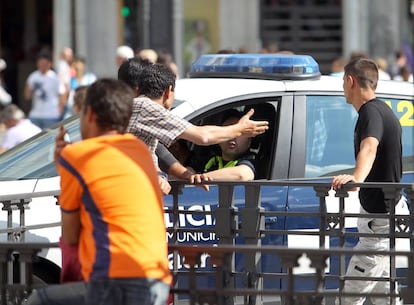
x,y
195,93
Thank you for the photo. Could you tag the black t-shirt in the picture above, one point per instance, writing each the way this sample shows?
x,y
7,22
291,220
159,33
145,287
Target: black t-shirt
x,y
377,120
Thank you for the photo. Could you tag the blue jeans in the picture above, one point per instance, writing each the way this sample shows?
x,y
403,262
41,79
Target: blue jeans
x,y
127,291
103,292
65,294
43,123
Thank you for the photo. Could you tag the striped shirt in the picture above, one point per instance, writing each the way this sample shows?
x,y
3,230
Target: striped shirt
x,y
151,123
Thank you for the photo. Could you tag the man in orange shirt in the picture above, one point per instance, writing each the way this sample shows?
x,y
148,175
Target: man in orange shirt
x,y
112,208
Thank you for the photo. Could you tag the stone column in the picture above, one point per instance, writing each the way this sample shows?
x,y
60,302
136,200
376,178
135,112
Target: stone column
x,y
239,24
62,26
355,26
101,30
178,32
80,28
384,28
30,26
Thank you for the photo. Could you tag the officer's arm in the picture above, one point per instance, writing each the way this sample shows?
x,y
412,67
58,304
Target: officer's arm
x,y
240,172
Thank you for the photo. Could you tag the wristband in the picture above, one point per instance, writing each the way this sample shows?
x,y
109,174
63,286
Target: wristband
x,y
162,175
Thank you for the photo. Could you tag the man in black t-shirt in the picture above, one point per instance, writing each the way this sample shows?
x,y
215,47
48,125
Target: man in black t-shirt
x,y
378,154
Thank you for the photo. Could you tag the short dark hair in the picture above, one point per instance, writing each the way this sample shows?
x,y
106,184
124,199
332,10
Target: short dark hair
x,y
130,71
111,101
155,79
364,70
44,55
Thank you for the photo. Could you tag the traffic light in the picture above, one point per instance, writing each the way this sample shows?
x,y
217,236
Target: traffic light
x,y
125,11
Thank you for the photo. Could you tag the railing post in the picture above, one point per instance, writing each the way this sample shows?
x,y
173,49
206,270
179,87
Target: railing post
x,y
226,227
251,230
407,293
24,258
289,261
175,191
390,193
4,253
9,206
341,194
322,192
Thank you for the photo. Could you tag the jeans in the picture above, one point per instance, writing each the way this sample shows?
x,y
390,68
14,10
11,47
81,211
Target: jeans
x,y
103,292
43,123
370,265
65,294
128,292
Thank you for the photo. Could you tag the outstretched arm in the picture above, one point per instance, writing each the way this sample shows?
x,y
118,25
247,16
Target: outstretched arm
x,y
210,134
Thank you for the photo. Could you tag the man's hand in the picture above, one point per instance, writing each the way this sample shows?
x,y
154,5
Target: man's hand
x,y
60,141
252,128
340,180
199,178
164,185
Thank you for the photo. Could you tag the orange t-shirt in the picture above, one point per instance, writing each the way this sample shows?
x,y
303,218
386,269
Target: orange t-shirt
x,y
112,182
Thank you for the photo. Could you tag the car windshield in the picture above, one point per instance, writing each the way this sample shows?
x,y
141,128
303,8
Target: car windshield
x,y
33,158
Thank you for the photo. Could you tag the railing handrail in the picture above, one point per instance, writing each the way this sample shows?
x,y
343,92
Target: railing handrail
x,y
226,249
276,182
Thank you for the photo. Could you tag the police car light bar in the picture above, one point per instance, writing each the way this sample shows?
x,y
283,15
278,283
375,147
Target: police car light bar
x,y
262,66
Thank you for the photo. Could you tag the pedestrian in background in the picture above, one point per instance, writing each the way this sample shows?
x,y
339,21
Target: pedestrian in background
x,y
82,77
5,97
337,66
166,58
18,127
113,211
64,68
47,93
382,68
123,53
378,153
79,96
148,54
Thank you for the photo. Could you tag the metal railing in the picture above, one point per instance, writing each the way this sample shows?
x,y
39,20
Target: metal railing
x,y
235,273
16,270
251,281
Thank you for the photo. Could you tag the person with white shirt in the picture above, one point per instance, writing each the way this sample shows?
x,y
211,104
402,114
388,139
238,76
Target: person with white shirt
x,y
5,97
18,127
47,93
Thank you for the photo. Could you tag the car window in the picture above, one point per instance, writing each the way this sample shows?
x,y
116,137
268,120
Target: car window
x,y
261,146
33,158
329,135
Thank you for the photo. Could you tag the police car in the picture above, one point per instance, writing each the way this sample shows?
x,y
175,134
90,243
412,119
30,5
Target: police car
x,y
310,136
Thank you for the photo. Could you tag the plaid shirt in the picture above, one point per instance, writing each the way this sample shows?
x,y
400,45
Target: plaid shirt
x,y
151,123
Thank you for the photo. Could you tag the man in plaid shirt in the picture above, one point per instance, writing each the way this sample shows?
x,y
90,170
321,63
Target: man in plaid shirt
x,y
152,122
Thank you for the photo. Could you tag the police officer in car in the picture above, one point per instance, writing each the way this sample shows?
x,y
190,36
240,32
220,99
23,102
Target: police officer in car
x,y
235,162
